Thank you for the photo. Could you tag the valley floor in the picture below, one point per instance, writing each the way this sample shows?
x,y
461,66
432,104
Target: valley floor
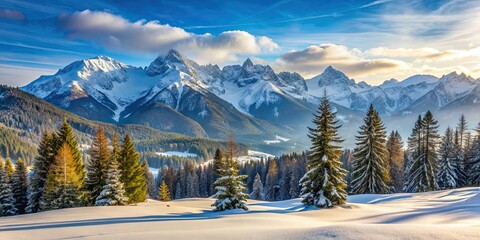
x,y
451,214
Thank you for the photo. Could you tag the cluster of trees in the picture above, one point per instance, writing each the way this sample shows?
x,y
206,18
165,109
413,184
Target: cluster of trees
x,y
113,175
12,146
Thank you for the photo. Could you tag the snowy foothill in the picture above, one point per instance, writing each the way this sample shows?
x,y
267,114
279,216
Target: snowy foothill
x,y
278,139
185,154
448,214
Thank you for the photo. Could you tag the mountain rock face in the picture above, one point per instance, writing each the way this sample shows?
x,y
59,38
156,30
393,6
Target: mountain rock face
x,y
176,94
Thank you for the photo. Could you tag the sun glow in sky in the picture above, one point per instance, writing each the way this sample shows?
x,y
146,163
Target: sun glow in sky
x,y
369,40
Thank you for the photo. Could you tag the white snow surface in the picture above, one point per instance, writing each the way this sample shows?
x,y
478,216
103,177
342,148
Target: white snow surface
x,y
450,214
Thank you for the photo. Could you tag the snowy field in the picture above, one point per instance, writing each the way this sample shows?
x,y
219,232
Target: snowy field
x,y
452,214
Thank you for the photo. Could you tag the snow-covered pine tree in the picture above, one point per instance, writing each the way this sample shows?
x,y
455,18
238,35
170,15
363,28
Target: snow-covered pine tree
x,y
422,170
229,186
257,192
112,192
370,166
164,192
7,201
132,172
65,135
97,166
151,189
324,184
369,157
293,190
396,160
447,169
462,130
63,188
19,183
459,156
474,161
38,177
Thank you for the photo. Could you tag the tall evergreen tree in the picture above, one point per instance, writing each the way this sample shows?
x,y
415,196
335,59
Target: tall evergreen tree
x,y
257,193
370,167
19,184
229,186
9,168
132,172
64,184
97,166
7,201
65,135
462,130
113,192
217,161
422,170
474,161
396,160
447,171
459,156
324,184
150,180
40,170
271,183
164,192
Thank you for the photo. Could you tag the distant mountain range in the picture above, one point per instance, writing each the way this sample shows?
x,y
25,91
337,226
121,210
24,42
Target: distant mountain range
x,y
175,94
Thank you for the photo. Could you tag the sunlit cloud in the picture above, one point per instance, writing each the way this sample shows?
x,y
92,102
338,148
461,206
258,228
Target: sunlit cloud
x,y
118,33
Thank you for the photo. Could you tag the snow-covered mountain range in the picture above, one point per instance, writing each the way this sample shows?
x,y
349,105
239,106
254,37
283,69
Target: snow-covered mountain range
x,y
176,94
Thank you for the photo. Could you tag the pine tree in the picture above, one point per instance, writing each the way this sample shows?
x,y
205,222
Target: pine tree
x,y
229,186
257,193
65,135
113,192
9,168
39,173
132,172
20,186
459,161
97,166
164,193
217,161
150,181
422,169
370,167
447,171
474,161
7,201
64,183
462,130
396,160
271,182
324,184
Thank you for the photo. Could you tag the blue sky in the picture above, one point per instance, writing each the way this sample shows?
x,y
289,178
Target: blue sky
x,y
369,40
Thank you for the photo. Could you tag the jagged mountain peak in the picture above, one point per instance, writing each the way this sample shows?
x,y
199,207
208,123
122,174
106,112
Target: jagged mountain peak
x,y
173,60
332,76
248,63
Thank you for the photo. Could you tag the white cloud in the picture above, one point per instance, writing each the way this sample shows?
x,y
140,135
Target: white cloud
x,y
313,59
144,36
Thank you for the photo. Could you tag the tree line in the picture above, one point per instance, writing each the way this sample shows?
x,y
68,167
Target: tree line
x,y
113,175
322,176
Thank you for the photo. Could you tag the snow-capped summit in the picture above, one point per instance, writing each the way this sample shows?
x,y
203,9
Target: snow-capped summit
x,y
413,80
332,76
247,64
173,60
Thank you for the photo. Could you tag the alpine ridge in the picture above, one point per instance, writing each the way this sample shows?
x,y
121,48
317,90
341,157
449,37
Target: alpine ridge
x,y
177,94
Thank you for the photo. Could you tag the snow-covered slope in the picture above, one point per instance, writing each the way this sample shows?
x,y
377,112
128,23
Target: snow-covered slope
x,y
450,214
